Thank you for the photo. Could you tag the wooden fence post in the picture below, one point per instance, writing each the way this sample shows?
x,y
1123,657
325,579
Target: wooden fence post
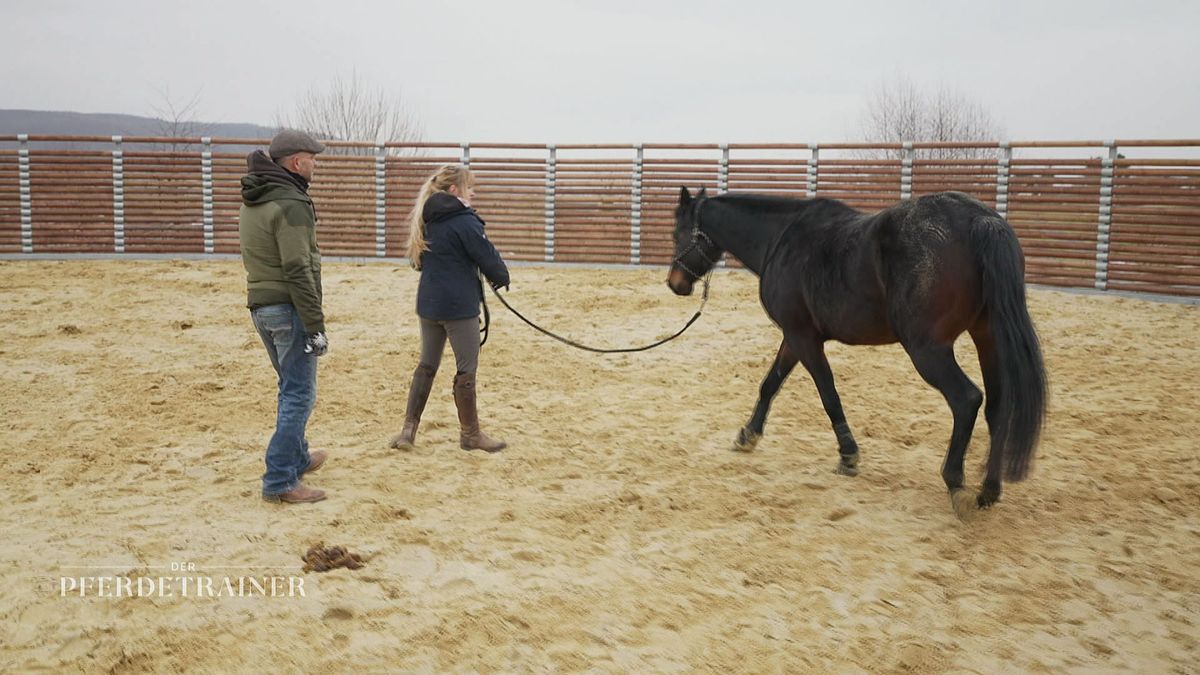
x,y
118,183
906,171
1104,224
26,196
551,177
1002,165
635,212
380,201
723,170
811,188
206,174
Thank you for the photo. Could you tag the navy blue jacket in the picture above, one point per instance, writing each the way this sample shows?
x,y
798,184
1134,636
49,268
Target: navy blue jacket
x,y
458,251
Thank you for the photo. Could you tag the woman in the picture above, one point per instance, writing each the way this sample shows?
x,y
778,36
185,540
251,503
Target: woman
x,y
447,245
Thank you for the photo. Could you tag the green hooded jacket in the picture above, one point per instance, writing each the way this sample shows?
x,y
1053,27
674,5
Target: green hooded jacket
x,y
278,230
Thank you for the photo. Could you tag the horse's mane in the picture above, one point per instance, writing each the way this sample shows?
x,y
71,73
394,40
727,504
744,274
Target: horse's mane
x,y
757,200
775,203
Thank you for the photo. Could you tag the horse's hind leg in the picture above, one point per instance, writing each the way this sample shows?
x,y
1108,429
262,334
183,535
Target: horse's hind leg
x,y
811,352
785,361
986,348
936,364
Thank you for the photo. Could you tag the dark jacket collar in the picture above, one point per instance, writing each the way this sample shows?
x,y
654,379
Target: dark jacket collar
x,y
443,205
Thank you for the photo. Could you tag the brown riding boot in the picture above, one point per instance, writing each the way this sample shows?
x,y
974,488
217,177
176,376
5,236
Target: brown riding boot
x,y
471,438
418,395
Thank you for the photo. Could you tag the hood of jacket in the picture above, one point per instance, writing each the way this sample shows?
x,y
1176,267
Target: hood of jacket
x,y
443,205
266,181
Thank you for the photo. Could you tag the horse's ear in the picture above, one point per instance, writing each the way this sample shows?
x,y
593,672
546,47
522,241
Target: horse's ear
x,y
702,193
685,197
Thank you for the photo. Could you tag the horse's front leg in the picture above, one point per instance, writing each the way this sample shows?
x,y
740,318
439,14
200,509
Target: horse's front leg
x,y
810,350
785,360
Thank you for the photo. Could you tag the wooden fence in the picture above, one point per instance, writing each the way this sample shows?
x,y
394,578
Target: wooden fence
x,y
1087,214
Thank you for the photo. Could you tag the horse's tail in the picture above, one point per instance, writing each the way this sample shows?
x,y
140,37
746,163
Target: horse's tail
x,y
1017,417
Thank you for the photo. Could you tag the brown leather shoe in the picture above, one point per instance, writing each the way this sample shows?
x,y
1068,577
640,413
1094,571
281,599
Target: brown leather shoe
x,y
315,460
299,495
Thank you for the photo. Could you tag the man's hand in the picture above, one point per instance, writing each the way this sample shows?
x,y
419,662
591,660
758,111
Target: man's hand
x,y
497,287
316,343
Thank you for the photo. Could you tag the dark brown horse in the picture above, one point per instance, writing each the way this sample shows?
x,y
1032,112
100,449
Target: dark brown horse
x,y
920,273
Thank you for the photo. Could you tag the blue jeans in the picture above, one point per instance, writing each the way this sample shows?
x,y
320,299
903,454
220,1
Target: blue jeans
x,y
283,335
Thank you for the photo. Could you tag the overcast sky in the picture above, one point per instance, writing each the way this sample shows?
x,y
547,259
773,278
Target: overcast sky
x,y
618,71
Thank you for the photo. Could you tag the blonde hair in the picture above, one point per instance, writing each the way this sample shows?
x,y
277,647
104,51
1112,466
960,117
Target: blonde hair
x,y
440,181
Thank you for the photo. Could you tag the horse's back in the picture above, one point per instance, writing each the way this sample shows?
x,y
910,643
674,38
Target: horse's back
x,y
938,222
930,272
906,273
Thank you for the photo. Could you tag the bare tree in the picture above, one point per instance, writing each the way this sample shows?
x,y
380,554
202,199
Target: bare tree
x,y
176,119
898,111
349,110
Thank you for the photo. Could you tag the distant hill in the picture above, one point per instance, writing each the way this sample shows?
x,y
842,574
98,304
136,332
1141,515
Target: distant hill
x,y
59,122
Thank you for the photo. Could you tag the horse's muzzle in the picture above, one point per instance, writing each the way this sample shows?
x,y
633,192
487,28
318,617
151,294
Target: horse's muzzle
x,y
679,283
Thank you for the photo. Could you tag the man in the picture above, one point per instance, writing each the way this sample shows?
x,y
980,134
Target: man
x,y
277,226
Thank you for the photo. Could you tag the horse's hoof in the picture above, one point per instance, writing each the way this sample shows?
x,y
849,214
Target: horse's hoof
x,y
847,465
964,503
986,498
746,441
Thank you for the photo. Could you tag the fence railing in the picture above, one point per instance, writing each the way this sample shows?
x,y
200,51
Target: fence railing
x,y
1087,214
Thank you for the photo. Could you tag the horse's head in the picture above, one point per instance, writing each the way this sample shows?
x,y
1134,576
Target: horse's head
x,y
695,252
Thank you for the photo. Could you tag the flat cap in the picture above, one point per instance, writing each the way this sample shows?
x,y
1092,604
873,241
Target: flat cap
x,y
291,141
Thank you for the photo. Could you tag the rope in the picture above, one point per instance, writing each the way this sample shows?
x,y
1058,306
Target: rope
x,y
622,350
487,316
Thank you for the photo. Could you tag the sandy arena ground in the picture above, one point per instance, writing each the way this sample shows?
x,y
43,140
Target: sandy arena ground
x,y
618,532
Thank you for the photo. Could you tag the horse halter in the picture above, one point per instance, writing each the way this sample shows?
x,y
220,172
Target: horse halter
x,y
695,247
